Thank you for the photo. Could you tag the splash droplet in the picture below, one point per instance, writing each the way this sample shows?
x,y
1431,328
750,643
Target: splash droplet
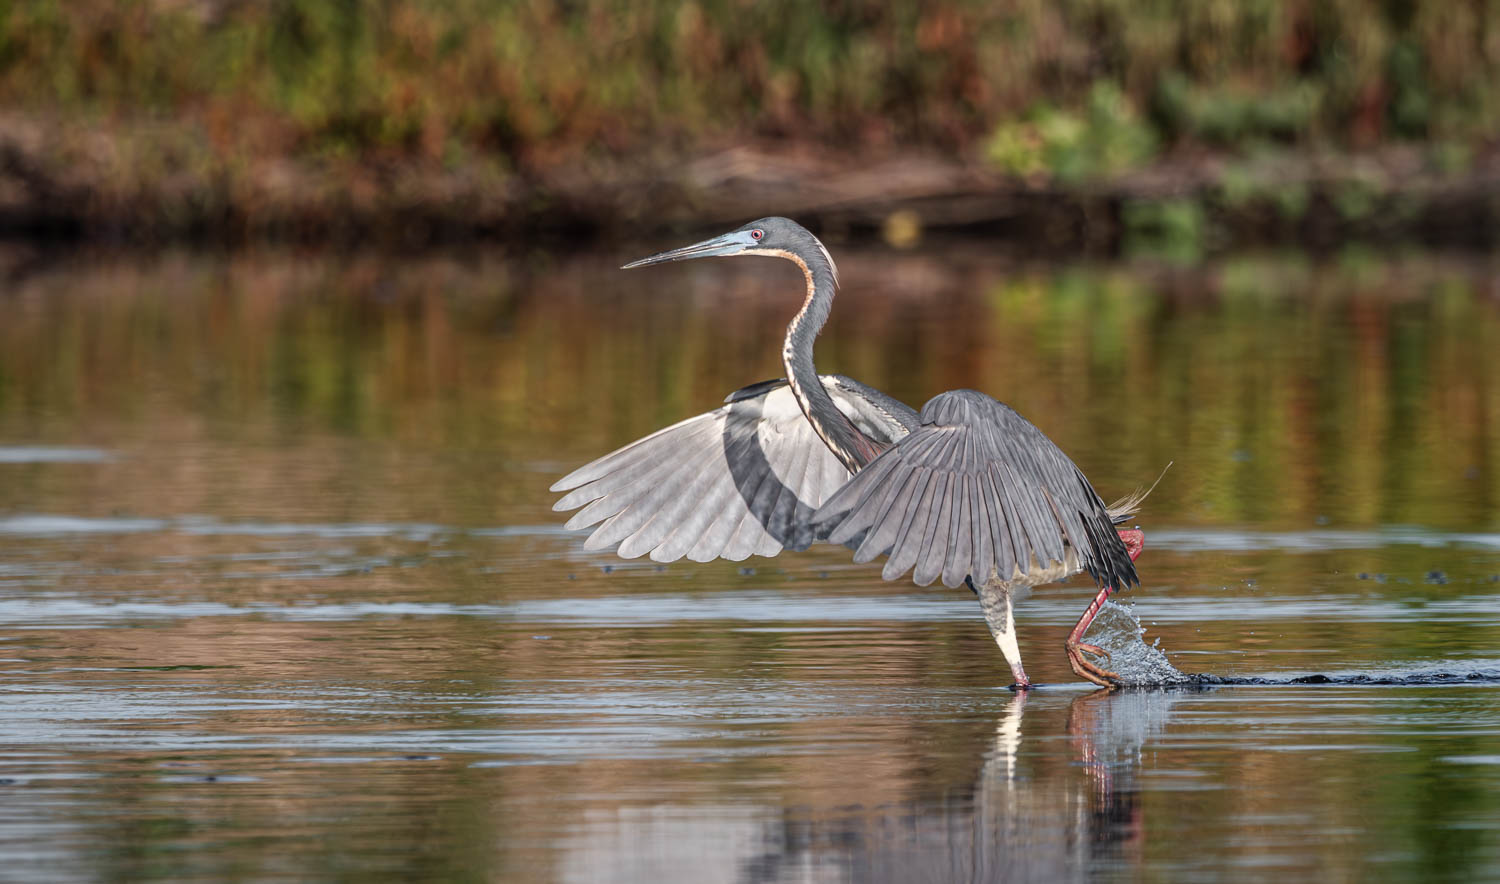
x,y
1118,630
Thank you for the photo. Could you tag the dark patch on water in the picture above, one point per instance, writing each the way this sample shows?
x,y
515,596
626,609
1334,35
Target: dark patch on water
x,y
1204,680
181,667
1387,680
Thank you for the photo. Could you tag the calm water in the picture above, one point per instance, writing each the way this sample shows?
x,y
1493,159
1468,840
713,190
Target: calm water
x,y
281,593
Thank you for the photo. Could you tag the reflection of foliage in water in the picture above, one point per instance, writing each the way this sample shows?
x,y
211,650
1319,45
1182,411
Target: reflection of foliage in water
x,y
1360,392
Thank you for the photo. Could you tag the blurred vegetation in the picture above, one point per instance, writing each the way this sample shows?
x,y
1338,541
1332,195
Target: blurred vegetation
x,y
1106,138
1075,88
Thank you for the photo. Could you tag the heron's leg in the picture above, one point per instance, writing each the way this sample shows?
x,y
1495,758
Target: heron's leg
x,y
1076,647
1135,541
995,599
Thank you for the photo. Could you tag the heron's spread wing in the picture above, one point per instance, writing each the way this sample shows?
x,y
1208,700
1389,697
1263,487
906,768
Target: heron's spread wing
x,y
740,480
976,490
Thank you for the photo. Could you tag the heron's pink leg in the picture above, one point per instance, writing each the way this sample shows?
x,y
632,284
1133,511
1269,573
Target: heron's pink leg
x,y
1135,541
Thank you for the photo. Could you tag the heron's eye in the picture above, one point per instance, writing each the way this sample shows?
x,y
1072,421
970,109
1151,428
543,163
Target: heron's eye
x,y
757,234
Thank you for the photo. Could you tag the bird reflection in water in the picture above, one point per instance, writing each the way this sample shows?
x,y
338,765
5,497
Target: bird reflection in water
x,y
1026,806
1032,821
1029,813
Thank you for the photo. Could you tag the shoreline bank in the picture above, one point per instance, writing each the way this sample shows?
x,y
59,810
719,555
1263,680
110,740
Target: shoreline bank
x,y
163,187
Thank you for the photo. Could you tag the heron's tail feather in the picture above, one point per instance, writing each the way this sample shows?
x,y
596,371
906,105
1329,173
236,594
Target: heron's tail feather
x,y
1126,507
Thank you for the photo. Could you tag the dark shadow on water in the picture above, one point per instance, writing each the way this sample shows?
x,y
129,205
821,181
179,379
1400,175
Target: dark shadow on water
x,y
1200,681
1205,680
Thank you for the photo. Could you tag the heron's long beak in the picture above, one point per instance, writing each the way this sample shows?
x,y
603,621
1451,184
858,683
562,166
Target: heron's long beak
x,y
719,246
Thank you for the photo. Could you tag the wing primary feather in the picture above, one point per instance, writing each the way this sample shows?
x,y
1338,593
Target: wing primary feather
x,y
885,524
960,550
861,505
712,501
610,497
642,501
739,534
855,494
747,536
710,544
1042,527
626,517
825,476
670,505
985,552
690,530
935,542
1070,523
705,536
639,448
784,507
909,526
1028,520
1007,553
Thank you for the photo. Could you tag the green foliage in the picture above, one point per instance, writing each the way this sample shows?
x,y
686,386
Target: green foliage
x,y
1107,139
1225,115
1076,88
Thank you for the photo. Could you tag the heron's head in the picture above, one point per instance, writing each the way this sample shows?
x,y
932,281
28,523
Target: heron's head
x,y
780,237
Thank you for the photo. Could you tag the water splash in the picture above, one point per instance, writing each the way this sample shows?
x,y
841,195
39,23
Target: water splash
x,y
1118,630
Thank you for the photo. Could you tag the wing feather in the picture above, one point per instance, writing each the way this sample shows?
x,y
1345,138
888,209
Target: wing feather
x,y
747,533
744,478
909,525
1004,527
885,521
976,491
669,505
877,494
935,539
700,507
957,528
983,553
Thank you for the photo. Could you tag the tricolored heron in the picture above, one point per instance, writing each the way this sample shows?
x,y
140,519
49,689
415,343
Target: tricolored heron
x,y
967,490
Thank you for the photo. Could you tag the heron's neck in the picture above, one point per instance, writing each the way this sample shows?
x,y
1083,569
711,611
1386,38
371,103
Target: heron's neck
x,y
847,443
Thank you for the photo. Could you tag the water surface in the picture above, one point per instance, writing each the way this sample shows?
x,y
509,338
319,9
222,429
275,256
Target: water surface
x,y
281,592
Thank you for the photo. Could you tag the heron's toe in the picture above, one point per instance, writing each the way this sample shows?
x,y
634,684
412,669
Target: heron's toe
x,y
1088,670
1088,649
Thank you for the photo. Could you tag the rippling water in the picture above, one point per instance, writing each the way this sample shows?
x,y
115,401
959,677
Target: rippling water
x,y
281,594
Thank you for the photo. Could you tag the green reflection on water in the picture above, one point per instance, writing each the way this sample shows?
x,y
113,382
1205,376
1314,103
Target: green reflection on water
x,y
1287,391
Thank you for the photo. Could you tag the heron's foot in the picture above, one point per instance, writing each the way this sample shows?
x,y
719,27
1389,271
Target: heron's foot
x,y
1087,669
